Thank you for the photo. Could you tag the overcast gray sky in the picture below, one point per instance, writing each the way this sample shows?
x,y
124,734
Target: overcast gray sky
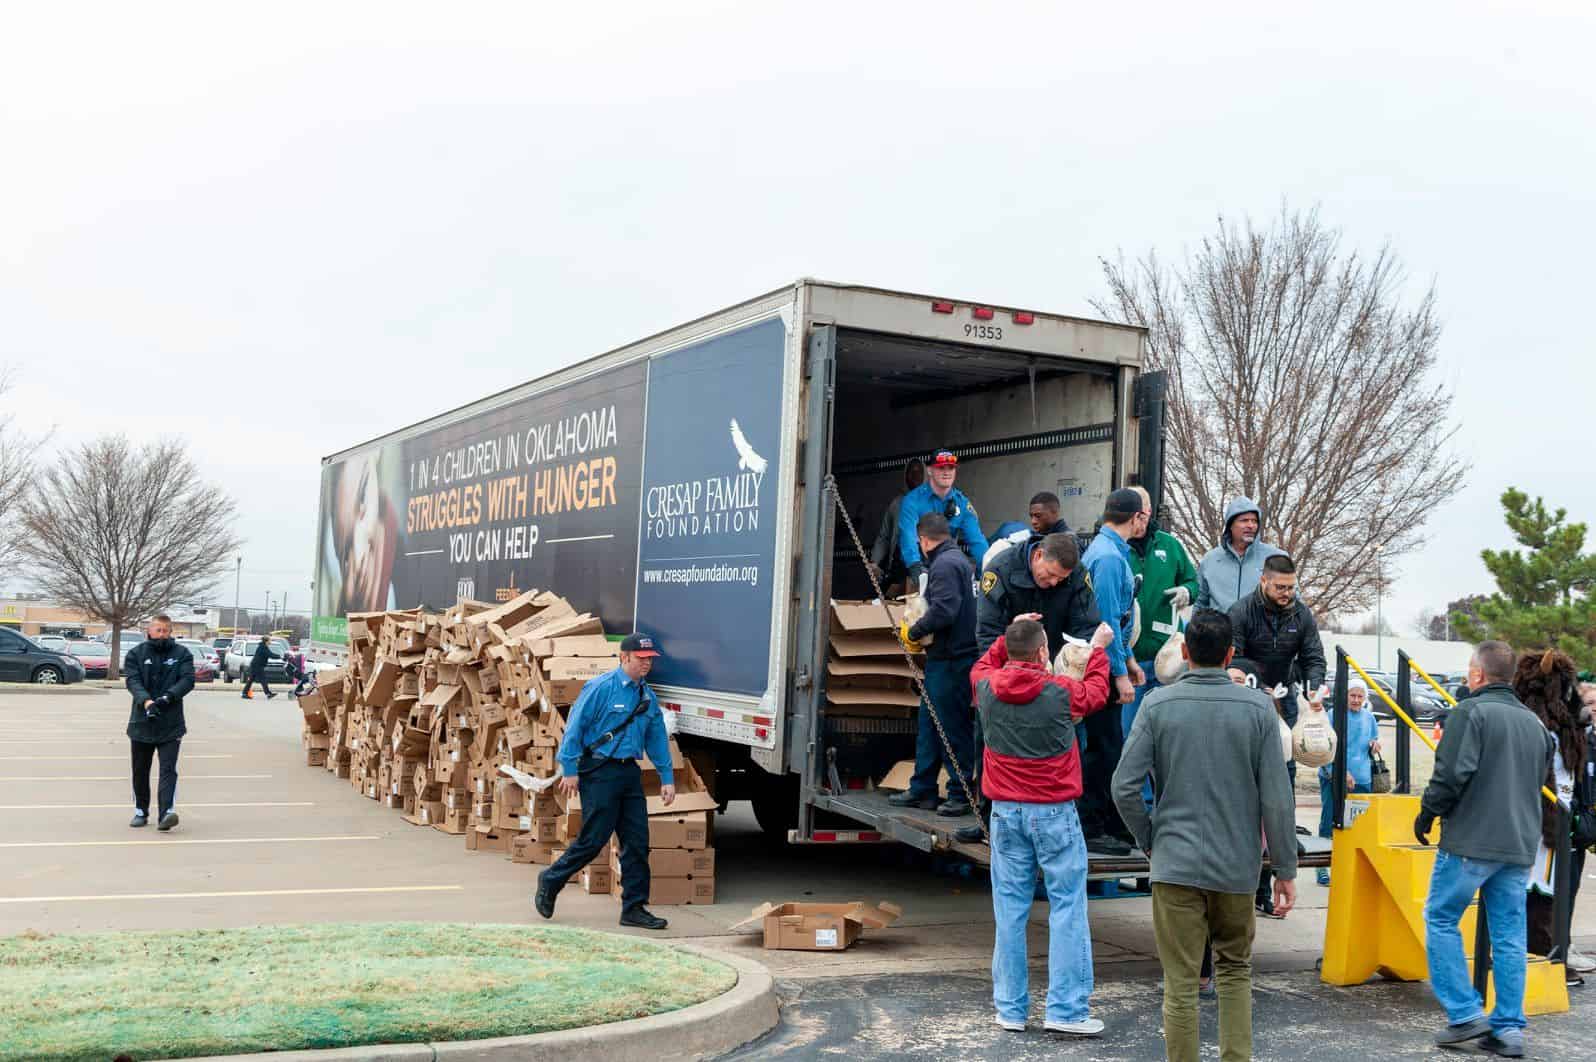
x,y
280,230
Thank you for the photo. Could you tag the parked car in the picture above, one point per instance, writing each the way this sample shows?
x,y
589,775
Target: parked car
x,y
24,660
94,656
220,645
56,643
204,670
202,651
1427,706
235,666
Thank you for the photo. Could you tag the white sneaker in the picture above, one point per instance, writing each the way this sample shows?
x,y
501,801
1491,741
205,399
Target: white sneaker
x,y
1084,1027
1011,1026
1581,963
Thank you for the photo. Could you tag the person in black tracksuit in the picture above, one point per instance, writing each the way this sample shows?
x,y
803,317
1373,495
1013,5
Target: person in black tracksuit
x,y
950,620
159,673
257,668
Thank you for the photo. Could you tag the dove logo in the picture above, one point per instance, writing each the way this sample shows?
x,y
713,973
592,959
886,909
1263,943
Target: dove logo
x,y
747,459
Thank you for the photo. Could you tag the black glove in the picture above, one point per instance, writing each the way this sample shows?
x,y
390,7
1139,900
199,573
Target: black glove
x,y
916,570
163,701
1422,825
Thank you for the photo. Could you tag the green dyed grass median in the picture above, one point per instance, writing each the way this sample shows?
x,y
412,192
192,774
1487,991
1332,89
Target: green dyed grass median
x,y
207,992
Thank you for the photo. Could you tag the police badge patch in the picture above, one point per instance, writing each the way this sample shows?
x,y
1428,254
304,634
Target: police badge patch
x,y
988,581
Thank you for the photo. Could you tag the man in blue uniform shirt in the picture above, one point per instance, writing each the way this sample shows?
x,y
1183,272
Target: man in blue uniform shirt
x,y
615,719
1107,561
938,495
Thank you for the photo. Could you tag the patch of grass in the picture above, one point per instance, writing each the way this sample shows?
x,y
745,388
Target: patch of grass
x,y
203,992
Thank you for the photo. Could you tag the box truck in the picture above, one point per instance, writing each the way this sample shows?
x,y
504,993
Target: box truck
x,y
678,486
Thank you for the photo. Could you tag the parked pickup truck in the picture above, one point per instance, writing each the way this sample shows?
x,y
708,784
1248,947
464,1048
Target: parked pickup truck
x,y
235,666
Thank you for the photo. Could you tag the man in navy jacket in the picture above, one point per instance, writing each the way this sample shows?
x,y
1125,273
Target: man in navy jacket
x,y
950,621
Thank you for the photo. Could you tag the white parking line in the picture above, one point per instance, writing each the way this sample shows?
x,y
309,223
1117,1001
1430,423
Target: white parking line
x,y
195,840
119,777
79,759
217,895
186,804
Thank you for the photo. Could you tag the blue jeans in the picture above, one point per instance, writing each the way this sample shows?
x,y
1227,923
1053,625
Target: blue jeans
x,y
1026,837
1501,888
1127,716
1327,806
947,684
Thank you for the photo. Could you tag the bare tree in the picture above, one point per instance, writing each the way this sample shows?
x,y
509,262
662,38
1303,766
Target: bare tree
x,y
1298,378
17,452
120,533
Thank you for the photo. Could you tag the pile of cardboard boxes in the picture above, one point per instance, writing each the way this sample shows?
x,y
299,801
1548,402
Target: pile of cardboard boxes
x,y
431,705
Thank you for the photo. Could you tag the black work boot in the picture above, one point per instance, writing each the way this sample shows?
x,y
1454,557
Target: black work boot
x,y
543,899
639,918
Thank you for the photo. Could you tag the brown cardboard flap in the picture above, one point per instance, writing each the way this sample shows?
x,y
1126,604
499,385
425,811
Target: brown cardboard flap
x,y
853,695
880,916
440,696
683,803
886,666
871,643
756,917
860,616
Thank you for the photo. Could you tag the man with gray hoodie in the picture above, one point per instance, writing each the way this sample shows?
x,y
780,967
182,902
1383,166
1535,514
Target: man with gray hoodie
x,y
1233,568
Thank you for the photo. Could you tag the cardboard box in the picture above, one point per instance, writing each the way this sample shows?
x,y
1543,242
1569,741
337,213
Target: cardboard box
x,y
597,879
675,892
818,926
682,862
690,830
485,839
526,849
897,780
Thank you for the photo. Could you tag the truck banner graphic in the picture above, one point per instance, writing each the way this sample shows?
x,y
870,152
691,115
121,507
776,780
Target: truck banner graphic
x,y
543,492
710,496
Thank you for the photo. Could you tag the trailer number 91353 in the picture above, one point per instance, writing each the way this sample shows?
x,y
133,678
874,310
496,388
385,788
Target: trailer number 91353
x,y
982,331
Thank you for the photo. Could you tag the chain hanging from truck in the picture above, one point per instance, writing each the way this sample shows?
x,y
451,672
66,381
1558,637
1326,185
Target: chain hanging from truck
x,y
914,670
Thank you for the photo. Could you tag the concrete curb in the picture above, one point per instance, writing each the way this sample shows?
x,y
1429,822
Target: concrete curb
x,y
713,1027
76,689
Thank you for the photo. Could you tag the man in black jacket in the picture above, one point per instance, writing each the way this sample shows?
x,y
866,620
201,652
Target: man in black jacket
x,y
1041,580
1275,630
159,673
950,621
257,667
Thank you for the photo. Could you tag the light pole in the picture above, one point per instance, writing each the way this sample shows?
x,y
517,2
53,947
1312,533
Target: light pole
x,y
1379,625
238,581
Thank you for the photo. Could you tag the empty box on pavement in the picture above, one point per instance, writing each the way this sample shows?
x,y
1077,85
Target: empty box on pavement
x,y
819,926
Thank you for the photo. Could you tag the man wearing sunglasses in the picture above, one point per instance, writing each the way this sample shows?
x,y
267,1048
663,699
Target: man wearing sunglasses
x,y
938,495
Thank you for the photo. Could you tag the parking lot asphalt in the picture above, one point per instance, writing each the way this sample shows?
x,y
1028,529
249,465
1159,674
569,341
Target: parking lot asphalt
x,y
265,839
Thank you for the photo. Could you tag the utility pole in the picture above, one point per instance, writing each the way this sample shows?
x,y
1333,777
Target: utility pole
x,y
238,581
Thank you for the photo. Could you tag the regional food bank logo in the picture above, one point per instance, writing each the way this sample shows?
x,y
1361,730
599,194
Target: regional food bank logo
x,y
717,504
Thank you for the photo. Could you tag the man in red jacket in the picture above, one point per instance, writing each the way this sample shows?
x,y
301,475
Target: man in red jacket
x,y
1031,771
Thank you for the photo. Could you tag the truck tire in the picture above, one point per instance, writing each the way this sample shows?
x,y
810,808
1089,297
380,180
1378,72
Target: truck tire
x,y
776,806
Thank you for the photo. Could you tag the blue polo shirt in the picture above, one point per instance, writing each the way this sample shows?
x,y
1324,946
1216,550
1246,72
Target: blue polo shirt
x,y
602,706
1107,561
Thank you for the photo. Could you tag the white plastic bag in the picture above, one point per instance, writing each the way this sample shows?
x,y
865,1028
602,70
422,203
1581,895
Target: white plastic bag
x,y
1072,657
1313,739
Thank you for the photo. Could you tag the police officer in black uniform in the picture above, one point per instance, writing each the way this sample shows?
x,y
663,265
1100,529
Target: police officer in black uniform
x,y
1041,580
159,673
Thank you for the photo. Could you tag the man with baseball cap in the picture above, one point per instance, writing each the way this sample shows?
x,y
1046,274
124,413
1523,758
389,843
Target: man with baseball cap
x,y
615,719
938,495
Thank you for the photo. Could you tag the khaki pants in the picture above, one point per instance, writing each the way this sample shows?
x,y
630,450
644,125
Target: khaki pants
x,y
1184,919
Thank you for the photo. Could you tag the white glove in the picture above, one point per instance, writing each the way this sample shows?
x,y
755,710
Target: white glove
x,y
1179,598
1280,691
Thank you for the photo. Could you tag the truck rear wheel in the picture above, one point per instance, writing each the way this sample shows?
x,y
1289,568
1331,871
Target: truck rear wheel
x,y
776,806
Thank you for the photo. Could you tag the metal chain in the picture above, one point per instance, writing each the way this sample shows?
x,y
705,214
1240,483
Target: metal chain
x,y
914,671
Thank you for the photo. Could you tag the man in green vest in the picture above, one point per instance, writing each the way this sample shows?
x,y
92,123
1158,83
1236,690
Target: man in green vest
x,y
1166,582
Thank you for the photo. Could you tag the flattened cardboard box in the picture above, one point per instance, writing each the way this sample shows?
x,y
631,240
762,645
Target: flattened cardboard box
x,y
818,926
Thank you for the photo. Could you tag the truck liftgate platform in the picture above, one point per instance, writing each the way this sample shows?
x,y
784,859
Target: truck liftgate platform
x,y
930,832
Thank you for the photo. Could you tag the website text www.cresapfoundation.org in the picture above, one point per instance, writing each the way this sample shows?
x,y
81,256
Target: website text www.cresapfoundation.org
x,y
704,573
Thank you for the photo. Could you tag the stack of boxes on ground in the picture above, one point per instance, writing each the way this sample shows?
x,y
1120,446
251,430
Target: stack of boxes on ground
x,y
430,706
870,692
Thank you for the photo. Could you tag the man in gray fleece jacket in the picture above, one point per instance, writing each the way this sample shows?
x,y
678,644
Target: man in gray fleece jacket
x,y
1486,790
1213,750
1229,572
